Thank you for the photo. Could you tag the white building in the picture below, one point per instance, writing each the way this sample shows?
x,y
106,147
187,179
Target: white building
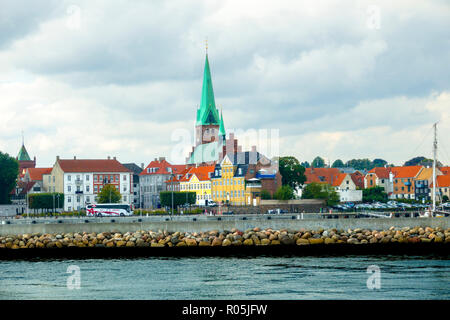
x,y
81,180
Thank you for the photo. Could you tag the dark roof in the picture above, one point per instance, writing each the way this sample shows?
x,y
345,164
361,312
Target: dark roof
x,y
133,167
243,168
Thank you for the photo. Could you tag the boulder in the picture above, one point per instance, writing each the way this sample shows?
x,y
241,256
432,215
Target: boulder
x,y
301,242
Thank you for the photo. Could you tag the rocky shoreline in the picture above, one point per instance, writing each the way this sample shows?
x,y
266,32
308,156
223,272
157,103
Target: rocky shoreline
x,y
231,238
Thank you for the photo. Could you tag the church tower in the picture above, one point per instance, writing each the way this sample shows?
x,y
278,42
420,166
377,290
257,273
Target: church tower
x,y
24,159
208,122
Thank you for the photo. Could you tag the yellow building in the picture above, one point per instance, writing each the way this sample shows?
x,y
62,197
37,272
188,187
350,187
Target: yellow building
x,y
198,180
228,182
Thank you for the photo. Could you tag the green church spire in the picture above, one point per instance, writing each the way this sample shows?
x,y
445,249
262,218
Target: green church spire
x,y
207,113
23,154
222,126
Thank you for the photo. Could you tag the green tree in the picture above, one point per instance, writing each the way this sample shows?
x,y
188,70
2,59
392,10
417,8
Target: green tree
x,y
445,198
321,191
9,170
305,164
284,193
374,194
179,198
338,164
109,194
318,162
360,164
265,195
292,173
379,163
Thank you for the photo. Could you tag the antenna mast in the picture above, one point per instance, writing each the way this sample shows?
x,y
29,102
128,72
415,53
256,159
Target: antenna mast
x,y
434,167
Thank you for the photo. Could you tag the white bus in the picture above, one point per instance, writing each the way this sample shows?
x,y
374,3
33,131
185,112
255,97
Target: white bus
x,y
108,210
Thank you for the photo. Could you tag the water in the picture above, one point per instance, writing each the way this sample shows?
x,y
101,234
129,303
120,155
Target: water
x,y
402,277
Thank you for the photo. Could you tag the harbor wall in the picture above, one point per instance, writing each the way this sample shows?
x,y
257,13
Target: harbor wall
x,y
207,225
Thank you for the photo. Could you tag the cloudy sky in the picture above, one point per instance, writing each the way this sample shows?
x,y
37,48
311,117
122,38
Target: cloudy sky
x,y
339,79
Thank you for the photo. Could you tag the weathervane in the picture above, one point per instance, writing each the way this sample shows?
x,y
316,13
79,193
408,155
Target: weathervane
x,y
206,45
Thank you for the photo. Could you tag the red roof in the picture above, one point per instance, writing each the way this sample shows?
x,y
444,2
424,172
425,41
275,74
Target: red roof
x,y
323,175
177,177
202,173
83,165
406,172
162,167
442,181
381,172
340,177
36,173
445,170
358,179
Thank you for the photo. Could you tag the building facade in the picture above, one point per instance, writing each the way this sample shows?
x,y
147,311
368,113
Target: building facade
x,y
153,179
81,180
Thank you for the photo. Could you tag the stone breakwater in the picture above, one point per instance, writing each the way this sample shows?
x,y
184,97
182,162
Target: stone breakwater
x,y
233,237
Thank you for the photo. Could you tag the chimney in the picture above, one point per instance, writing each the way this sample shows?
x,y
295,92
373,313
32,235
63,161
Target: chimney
x,y
57,158
156,159
114,158
253,148
231,136
162,159
109,158
142,165
74,157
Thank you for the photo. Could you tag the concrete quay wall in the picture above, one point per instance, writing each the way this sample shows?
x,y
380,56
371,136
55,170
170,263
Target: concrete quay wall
x,y
207,225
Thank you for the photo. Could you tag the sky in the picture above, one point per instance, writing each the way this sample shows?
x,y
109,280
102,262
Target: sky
x,y
336,79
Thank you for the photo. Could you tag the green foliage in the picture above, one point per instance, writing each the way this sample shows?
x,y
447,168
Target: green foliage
x,y
421,161
374,194
109,194
179,198
318,162
284,193
305,164
338,164
360,164
45,200
321,191
265,195
9,170
445,198
292,173
379,163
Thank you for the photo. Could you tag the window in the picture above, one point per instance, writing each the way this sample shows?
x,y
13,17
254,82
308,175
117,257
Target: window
x,y
95,178
124,178
78,198
125,198
69,199
87,188
95,189
53,178
88,199
69,189
69,177
78,188
87,178
49,179
100,178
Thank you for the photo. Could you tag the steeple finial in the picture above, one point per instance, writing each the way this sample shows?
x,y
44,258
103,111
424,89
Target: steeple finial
x,y
23,140
206,45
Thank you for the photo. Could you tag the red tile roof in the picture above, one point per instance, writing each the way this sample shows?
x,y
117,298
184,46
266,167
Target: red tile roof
x,y
381,172
358,179
340,177
36,173
445,170
162,168
406,172
323,175
202,173
442,181
84,165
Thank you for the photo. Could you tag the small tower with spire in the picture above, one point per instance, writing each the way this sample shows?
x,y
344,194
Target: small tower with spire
x,y
24,158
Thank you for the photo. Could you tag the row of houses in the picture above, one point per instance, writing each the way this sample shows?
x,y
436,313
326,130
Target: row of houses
x,y
217,169
405,182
